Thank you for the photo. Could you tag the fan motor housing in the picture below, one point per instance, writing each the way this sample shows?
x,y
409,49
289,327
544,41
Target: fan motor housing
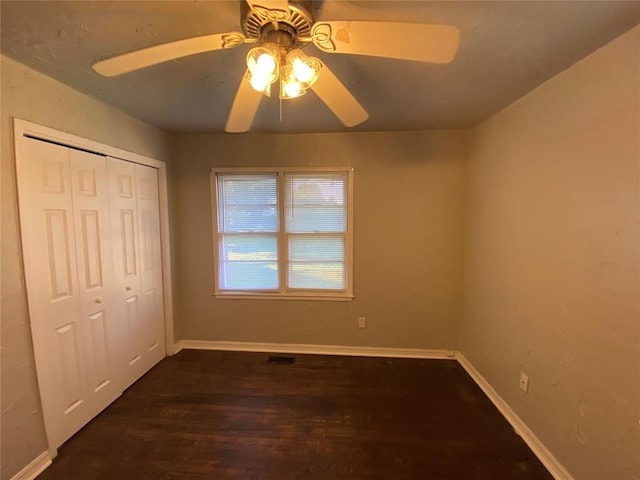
x,y
284,28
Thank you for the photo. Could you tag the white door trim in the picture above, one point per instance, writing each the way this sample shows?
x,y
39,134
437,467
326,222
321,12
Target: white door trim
x,y
23,127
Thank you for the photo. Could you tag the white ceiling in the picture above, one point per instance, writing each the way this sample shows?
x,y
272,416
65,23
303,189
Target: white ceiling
x,y
507,48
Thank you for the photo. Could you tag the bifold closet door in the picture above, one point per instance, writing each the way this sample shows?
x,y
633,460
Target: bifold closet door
x,y
150,264
137,268
64,216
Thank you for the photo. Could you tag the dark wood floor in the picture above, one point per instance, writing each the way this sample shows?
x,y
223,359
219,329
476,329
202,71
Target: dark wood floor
x,y
227,415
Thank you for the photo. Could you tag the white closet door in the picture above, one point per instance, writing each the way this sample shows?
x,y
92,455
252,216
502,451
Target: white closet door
x,y
134,254
124,232
90,194
150,264
74,374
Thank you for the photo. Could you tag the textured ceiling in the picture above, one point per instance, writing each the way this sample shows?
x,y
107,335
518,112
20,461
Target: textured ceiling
x,y
507,48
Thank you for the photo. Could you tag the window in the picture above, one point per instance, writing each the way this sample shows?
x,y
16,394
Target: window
x,y
283,233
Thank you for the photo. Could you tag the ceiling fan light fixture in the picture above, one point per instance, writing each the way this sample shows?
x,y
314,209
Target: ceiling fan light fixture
x,y
268,62
279,29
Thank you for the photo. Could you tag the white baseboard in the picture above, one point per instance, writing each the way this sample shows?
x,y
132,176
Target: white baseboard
x,y
35,468
537,447
315,349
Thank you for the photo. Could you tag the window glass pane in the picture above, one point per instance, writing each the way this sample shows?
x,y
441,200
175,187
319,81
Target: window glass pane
x,y
249,276
248,262
316,202
315,219
316,248
316,262
247,203
317,275
250,219
244,248
249,189
317,188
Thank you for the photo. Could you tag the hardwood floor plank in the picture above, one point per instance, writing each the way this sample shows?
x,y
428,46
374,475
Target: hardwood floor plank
x,y
231,415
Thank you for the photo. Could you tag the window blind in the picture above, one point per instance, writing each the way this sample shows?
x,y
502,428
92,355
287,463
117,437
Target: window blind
x,y
247,228
316,224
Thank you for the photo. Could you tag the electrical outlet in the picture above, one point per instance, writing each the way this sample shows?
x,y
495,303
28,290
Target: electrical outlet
x,y
524,382
362,322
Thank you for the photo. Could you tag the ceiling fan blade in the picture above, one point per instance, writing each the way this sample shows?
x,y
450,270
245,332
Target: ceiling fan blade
x,y
269,4
339,100
405,41
244,108
146,57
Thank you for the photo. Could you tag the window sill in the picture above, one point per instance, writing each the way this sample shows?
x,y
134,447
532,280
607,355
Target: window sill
x,y
279,296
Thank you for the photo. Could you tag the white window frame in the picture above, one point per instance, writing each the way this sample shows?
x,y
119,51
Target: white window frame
x,y
283,293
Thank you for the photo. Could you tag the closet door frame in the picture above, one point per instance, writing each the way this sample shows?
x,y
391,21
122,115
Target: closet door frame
x,y
24,130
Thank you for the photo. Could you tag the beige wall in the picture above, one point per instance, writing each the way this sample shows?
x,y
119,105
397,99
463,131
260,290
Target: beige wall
x,y
552,261
32,96
409,203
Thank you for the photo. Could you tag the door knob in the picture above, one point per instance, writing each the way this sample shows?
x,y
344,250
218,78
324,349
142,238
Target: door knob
x,y
98,300
127,288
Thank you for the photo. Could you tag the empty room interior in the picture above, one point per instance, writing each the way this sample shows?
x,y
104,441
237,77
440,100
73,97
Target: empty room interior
x,y
328,240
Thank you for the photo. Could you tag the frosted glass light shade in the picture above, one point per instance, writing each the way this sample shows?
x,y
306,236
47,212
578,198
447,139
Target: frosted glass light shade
x,y
263,64
290,87
260,84
305,69
266,64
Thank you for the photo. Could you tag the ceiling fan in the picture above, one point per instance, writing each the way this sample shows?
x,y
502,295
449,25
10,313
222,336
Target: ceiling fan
x,y
280,29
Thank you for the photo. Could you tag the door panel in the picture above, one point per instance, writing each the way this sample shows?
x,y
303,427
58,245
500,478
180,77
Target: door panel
x,y
151,264
91,249
148,244
150,302
70,361
126,248
46,220
101,370
132,310
128,239
60,266
86,178
101,336
55,170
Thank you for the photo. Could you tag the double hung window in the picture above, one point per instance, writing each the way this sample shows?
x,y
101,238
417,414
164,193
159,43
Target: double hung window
x,y
283,232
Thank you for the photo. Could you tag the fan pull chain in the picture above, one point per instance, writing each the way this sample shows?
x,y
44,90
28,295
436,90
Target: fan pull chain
x,y
280,110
